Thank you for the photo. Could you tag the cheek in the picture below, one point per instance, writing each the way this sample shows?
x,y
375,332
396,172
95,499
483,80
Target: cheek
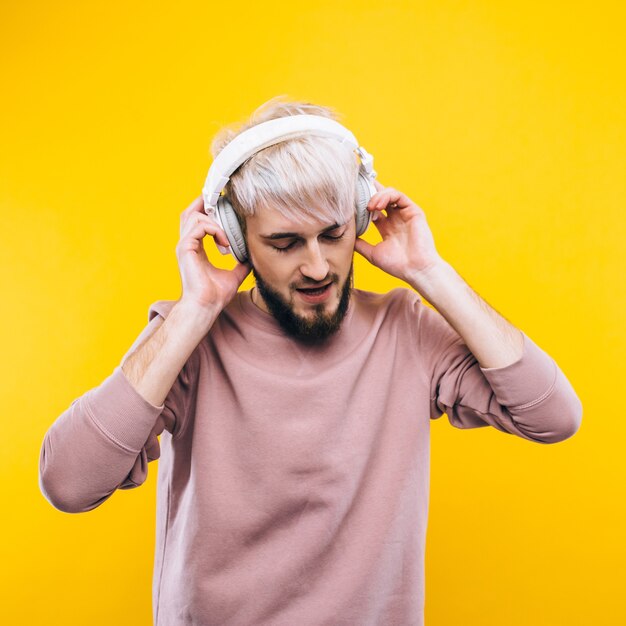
x,y
264,261
275,271
347,253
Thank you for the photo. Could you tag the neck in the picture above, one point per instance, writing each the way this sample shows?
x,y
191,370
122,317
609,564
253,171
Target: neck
x,y
258,300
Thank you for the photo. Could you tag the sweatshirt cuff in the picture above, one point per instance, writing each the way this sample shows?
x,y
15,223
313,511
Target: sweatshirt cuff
x,y
526,382
121,412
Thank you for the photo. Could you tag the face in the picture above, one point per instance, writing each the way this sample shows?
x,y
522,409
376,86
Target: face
x,y
287,258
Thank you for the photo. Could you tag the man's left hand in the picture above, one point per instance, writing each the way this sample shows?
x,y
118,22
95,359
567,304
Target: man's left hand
x,y
408,247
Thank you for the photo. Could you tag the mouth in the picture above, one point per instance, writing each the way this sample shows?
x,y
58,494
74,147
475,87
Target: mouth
x,y
315,294
315,291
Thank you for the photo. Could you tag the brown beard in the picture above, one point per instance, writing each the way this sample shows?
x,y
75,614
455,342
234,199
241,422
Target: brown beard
x,y
308,331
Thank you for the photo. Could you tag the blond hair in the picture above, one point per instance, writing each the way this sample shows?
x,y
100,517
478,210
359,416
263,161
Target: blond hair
x,y
306,178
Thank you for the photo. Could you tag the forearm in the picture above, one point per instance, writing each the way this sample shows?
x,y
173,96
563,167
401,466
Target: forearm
x,y
493,340
153,367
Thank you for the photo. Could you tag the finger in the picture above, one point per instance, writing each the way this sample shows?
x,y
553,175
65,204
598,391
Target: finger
x,y
363,248
378,186
197,218
382,226
202,227
382,198
241,270
197,206
373,201
390,197
377,214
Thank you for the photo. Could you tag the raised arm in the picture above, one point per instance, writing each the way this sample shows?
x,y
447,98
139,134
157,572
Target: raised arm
x,y
484,370
530,397
107,436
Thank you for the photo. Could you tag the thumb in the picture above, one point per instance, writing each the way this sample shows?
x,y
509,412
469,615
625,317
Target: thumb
x,y
364,249
241,270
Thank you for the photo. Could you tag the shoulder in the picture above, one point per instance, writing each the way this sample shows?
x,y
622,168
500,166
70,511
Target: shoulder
x,y
400,307
405,306
398,301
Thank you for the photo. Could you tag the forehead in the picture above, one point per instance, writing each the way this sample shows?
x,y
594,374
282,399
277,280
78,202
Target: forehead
x,y
268,221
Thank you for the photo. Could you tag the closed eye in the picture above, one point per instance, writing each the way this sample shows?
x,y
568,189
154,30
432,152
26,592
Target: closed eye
x,y
293,243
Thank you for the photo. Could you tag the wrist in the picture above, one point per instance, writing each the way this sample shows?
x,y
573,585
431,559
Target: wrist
x,y
429,279
194,316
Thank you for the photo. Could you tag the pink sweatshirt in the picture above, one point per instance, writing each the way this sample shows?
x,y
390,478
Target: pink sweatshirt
x,y
293,482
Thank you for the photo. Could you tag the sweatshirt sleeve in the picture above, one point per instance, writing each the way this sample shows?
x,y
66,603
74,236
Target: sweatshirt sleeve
x,y
531,398
105,439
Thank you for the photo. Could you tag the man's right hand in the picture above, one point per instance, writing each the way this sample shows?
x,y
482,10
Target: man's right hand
x,y
203,284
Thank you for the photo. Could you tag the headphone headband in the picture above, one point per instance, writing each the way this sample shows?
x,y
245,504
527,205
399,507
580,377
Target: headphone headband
x,y
272,132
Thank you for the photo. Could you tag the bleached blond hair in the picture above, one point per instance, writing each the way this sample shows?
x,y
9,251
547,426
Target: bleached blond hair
x,y
305,178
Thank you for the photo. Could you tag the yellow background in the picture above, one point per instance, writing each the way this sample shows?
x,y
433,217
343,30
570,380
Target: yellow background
x,y
504,121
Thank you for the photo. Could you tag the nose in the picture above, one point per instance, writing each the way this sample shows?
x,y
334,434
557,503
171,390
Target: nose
x,y
315,265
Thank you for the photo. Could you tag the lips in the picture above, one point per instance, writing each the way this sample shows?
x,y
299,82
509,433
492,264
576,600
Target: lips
x,y
320,287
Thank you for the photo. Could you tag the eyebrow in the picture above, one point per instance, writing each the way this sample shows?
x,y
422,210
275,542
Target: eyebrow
x,y
285,235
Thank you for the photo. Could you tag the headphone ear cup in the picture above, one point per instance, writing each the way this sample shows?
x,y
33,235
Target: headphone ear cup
x,y
232,229
363,196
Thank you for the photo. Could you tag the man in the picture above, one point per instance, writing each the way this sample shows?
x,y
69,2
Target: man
x,y
294,418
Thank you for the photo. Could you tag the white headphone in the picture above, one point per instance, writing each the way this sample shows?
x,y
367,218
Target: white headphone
x,y
266,134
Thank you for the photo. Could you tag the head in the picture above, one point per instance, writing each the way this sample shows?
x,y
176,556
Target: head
x,y
295,202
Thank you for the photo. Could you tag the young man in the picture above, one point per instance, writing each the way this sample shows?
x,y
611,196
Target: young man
x,y
294,417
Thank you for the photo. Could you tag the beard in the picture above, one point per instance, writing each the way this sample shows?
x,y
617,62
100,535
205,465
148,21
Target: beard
x,y
309,331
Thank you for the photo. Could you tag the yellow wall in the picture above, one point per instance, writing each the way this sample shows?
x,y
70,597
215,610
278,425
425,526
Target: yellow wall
x,y
504,121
